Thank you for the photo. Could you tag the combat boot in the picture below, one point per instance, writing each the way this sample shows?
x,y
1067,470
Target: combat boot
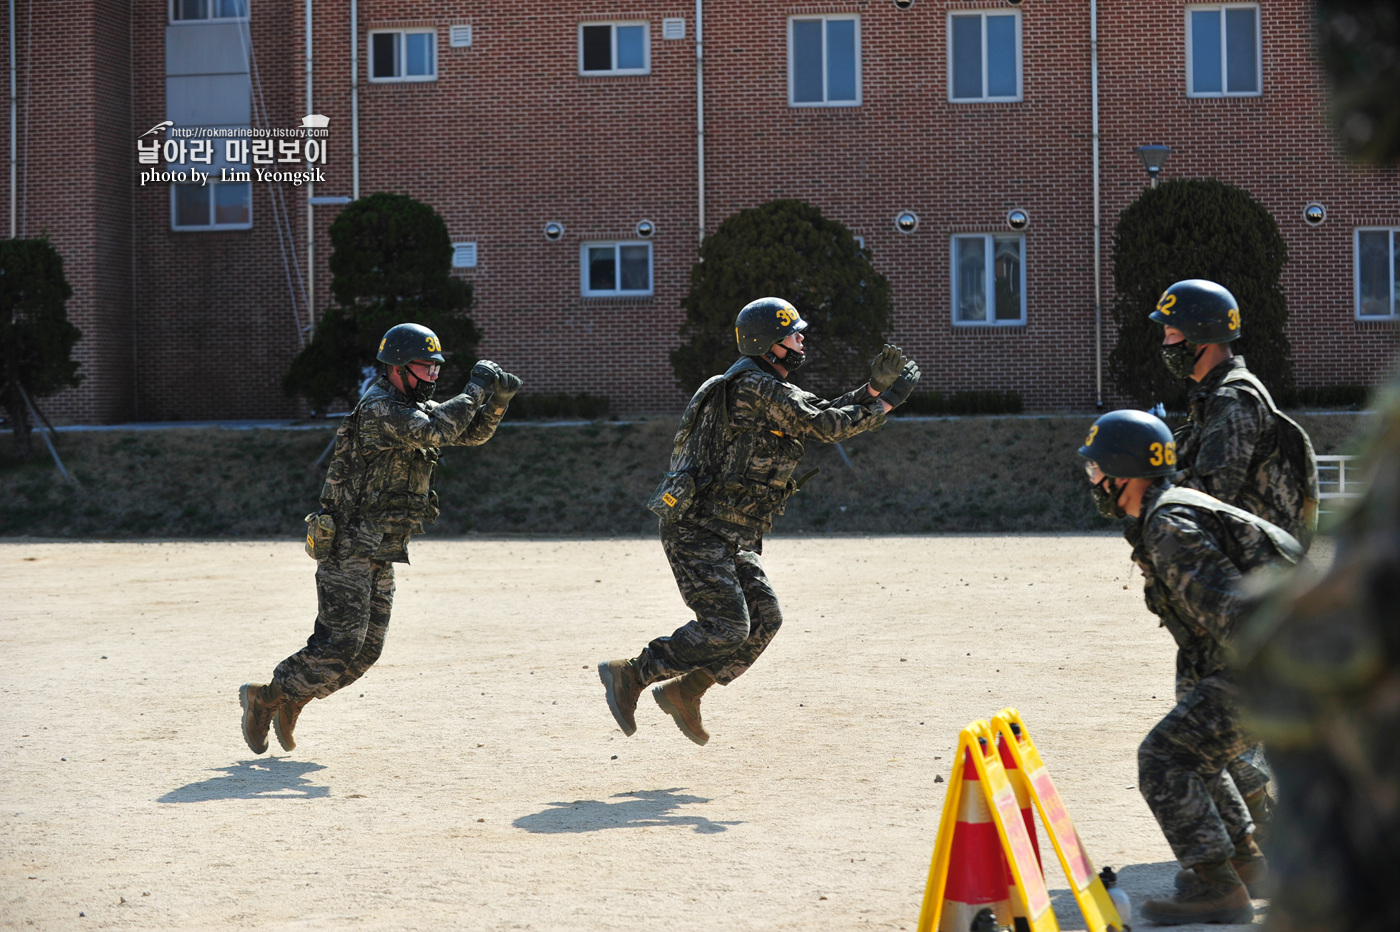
x,y
260,703
623,686
680,699
1250,866
1215,895
286,719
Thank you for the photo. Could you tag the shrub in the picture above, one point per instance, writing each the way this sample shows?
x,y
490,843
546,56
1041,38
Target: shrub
x,y
36,337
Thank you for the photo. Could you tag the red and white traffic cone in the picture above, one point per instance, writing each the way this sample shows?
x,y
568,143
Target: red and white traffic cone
x,y
977,869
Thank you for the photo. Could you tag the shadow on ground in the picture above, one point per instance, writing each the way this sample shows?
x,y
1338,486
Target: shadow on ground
x,y
633,810
263,778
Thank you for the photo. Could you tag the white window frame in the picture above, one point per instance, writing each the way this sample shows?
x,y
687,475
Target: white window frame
x,y
1224,52
172,4
617,259
989,284
614,70
826,74
400,52
1020,47
1356,272
211,227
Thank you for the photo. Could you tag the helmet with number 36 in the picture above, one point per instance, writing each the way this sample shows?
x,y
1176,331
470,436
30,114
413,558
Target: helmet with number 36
x,y
1204,311
764,322
1130,445
404,343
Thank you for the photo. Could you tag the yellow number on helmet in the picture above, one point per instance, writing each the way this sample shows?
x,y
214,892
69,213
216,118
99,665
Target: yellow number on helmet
x,y
786,315
1171,453
382,342
1158,456
1093,432
1234,318
433,344
1165,303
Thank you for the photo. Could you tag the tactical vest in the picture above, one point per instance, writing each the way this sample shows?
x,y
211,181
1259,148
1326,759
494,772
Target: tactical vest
x,y
1296,448
1197,647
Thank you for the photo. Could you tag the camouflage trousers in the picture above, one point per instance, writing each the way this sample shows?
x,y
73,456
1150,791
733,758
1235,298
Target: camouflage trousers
x,y
736,610
354,595
1180,764
1244,776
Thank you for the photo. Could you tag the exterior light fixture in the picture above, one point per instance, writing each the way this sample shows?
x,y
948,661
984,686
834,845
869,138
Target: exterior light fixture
x,y
1314,214
906,222
554,231
645,229
1018,219
1153,158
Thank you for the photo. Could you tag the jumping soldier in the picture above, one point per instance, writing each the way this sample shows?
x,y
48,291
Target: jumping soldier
x,y
732,466
1193,550
1236,446
378,493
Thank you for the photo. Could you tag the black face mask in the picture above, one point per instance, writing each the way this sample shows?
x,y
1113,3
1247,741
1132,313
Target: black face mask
x,y
1180,358
1106,499
791,362
420,392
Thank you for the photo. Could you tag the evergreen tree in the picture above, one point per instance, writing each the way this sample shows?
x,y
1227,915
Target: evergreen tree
x,y
391,261
785,249
36,337
1197,228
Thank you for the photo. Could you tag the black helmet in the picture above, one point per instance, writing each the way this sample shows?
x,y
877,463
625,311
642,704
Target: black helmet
x,y
1130,445
764,322
404,343
1204,311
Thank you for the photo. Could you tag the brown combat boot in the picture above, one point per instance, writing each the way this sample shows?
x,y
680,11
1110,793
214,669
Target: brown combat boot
x,y
1250,866
680,699
286,719
623,687
1216,895
260,703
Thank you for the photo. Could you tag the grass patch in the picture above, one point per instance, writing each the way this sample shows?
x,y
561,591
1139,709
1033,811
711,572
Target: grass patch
x,y
962,475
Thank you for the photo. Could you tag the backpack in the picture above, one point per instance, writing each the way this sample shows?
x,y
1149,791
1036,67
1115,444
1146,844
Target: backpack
x,y
1294,445
1284,543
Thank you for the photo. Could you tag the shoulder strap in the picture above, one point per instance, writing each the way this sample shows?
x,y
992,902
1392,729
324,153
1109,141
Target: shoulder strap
x,y
1301,442
1285,543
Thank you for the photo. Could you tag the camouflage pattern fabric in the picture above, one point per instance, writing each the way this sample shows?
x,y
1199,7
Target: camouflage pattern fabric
x,y
1321,672
736,611
1229,448
1193,560
379,487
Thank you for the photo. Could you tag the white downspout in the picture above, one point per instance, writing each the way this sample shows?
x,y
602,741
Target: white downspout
x,y
354,100
1098,232
310,190
700,115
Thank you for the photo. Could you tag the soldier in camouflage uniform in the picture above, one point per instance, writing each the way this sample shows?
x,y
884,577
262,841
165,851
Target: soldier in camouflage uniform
x,y
378,490
1193,550
1238,447
740,439
1321,675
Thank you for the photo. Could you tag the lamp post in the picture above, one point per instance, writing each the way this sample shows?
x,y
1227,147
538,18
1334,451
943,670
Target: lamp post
x,y
1153,158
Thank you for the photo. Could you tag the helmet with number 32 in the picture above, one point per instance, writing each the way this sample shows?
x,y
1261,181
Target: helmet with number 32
x,y
1202,310
1130,445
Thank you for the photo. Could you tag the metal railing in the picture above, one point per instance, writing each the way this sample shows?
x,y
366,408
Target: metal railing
x,y
1337,478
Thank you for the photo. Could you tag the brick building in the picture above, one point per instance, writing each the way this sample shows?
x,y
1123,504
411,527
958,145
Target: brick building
x,y
560,144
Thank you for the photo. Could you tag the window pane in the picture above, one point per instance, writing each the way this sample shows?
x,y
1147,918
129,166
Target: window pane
x,y
1205,52
1240,52
191,206
381,54
971,278
841,59
631,47
191,9
232,202
636,271
418,53
1007,271
597,48
807,61
230,9
967,56
602,271
1374,259
1001,56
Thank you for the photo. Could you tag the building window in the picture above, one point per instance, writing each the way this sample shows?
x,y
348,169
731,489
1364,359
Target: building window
x,y
1377,268
1222,51
403,55
217,205
205,11
824,61
984,56
614,48
983,266
616,269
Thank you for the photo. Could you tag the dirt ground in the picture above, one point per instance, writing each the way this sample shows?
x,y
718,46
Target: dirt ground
x,y
474,778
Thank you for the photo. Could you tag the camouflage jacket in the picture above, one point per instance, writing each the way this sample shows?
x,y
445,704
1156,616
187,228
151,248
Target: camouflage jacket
x,y
381,471
1229,448
751,468
1193,559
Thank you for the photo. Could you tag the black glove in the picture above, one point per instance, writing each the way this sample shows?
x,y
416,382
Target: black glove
x,y
485,373
505,388
903,387
886,366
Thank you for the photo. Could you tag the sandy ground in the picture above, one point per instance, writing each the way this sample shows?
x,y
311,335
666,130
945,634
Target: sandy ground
x,y
474,778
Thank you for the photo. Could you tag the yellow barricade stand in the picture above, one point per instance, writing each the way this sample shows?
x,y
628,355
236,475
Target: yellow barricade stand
x,y
1099,912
